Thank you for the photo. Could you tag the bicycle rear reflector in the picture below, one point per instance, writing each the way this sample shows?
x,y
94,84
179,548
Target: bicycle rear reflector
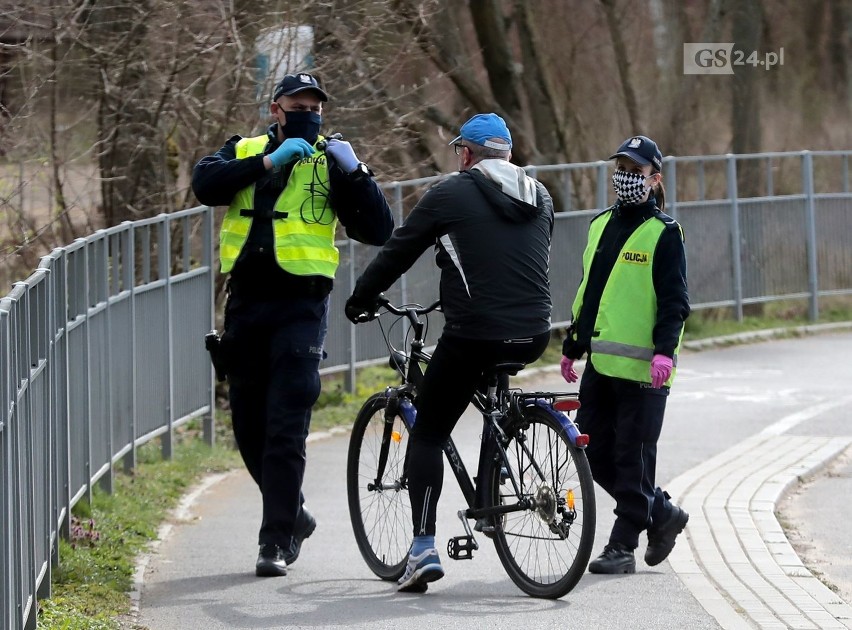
x,y
566,405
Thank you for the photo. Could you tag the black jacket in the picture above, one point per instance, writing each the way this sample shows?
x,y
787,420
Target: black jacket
x,y
668,273
357,200
493,250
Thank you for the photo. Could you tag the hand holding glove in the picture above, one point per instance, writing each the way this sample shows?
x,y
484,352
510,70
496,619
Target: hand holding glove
x,y
661,370
566,365
291,149
342,153
359,309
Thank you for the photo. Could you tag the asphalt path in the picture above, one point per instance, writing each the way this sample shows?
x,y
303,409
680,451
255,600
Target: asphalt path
x,y
201,574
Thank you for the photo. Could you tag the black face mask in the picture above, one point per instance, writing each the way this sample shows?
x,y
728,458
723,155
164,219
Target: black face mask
x,y
304,125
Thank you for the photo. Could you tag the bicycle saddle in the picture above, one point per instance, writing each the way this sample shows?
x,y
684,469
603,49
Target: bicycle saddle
x,y
510,369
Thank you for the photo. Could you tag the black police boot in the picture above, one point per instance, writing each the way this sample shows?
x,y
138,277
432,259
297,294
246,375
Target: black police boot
x,y
270,561
661,540
305,526
616,558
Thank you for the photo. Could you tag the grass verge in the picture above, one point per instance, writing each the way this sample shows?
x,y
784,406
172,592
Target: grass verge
x,y
90,586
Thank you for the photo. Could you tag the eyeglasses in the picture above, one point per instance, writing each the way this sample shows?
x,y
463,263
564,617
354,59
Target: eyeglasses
x,y
458,148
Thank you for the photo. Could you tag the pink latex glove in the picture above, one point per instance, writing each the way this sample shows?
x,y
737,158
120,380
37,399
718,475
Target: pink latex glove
x,y
567,367
661,370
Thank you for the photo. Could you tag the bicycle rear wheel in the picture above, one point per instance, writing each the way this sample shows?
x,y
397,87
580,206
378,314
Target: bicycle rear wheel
x,y
544,550
379,506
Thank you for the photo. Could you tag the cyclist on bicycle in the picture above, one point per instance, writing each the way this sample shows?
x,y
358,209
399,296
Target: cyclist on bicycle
x,y
491,226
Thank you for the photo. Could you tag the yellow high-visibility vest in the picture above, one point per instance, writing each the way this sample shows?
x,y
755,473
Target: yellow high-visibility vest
x,y
303,248
623,345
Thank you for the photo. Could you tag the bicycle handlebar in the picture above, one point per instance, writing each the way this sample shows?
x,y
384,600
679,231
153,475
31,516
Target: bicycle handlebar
x,y
408,309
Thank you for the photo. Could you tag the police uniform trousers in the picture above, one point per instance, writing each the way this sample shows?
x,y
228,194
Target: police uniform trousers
x,y
273,349
623,420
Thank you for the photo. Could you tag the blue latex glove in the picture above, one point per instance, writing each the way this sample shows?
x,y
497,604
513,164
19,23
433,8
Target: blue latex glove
x,y
661,370
566,366
291,149
343,154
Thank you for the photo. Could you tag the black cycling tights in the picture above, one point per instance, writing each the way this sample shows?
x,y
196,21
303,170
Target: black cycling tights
x,y
451,378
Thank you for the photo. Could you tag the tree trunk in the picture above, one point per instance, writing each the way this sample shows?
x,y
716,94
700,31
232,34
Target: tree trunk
x,y
840,51
745,125
670,32
497,56
67,230
745,106
622,63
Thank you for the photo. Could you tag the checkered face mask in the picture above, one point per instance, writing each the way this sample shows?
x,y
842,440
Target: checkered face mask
x,y
630,187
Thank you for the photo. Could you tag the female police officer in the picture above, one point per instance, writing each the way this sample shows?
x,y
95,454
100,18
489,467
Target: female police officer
x,y
628,316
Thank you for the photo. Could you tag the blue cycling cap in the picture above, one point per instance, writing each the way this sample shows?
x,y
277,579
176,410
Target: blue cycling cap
x,y
486,130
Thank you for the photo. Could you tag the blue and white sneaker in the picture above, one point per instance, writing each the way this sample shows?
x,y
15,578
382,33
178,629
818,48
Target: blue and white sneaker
x,y
420,570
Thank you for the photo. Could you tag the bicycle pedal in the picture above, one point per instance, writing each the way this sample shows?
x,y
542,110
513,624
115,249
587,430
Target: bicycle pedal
x,y
461,547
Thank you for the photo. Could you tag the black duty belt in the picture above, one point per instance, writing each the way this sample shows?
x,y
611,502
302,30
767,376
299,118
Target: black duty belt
x,y
260,214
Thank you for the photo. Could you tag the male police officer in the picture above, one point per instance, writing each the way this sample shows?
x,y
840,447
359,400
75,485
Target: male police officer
x,y
285,191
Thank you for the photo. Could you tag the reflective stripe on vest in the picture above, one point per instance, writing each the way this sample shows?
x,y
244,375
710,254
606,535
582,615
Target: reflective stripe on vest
x,y
623,344
303,248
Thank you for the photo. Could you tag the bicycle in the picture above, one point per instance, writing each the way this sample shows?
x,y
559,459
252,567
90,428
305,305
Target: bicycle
x,y
533,495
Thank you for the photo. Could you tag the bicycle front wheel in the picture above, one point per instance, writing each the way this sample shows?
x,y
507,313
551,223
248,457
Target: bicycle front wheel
x,y
379,506
545,549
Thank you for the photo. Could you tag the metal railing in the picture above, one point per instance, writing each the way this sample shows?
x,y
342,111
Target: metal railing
x,y
101,348
759,228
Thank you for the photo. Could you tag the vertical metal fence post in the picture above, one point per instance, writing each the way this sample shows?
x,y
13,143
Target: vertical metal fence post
x,y
735,236
349,383
25,456
770,186
48,333
129,270
810,230
87,300
603,186
209,420
8,599
164,257
65,528
566,191
671,186
107,260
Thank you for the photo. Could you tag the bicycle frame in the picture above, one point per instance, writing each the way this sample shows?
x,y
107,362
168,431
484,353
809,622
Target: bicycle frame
x,y
495,405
